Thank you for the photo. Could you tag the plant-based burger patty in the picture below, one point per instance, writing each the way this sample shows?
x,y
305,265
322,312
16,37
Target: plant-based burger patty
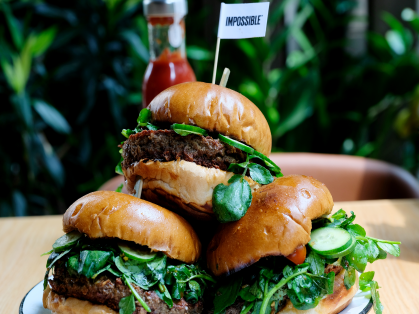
x,y
167,145
109,290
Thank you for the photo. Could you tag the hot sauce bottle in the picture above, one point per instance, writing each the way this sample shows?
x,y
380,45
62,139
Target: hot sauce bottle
x,y
168,65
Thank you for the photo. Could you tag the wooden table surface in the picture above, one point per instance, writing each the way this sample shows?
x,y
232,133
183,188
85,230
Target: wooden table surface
x,y
23,240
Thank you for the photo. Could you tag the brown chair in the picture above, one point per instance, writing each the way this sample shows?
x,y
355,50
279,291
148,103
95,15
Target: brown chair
x,y
348,178
351,178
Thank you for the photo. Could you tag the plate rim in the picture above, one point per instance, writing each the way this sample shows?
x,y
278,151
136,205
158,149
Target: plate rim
x,y
23,300
365,310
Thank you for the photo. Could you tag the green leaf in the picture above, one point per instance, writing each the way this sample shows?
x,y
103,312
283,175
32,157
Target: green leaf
x,y
316,263
52,116
42,41
358,258
127,132
127,305
92,261
230,203
119,188
144,117
165,296
118,167
356,230
372,251
378,306
349,277
14,25
393,249
227,294
260,174
366,279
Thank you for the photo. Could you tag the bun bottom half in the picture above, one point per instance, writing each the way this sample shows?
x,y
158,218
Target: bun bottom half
x,y
332,303
180,185
59,304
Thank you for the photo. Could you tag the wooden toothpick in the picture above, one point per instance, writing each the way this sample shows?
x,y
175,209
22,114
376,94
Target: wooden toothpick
x,y
224,79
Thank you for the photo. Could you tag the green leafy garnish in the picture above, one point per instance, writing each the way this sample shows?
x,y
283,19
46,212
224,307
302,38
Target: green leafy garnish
x,y
230,203
119,188
91,258
366,283
127,305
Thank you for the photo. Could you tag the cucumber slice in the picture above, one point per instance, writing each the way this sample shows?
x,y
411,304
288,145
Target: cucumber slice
x,y
330,241
268,162
144,255
66,241
236,144
345,251
186,129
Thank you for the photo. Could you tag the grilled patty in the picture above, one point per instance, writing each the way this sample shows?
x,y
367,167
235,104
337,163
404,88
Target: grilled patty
x,y
167,145
109,290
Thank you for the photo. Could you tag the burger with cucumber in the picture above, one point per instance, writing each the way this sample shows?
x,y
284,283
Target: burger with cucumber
x,y
290,254
123,254
201,148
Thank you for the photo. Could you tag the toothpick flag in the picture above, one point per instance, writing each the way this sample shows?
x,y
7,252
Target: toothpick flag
x,y
241,21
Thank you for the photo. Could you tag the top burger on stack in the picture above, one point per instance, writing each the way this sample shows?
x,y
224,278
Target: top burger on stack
x,y
201,148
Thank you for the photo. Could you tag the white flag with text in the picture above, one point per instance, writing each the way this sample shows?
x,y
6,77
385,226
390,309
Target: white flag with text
x,y
244,20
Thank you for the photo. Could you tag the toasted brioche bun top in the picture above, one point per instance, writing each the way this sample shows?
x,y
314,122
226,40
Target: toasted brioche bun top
x,y
216,109
105,214
276,223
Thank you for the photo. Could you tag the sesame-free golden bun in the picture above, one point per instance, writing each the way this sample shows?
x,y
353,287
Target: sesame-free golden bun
x,y
216,109
277,222
105,214
59,304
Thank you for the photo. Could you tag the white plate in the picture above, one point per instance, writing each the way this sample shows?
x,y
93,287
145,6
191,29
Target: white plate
x,y
32,303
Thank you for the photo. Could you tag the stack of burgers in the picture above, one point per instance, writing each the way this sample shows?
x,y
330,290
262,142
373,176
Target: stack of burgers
x,y
197,167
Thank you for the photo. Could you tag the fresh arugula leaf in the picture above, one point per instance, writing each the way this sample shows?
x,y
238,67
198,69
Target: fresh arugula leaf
x,y
358,258
135,293
260,174
52,259
127,132
378,306
158,267
92,261
316,262
144,117
227,294
194,292
230,203
118,167
165,296
390,248
247,295
339,214
119,188
101,271
152,127
349,277
127,305
365,280
372,251
356,230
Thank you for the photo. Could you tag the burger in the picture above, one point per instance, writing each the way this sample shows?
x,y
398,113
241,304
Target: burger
x,y
192,142
288,254
123,254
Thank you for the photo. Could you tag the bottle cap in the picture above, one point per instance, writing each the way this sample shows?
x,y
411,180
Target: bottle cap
x,y
165,7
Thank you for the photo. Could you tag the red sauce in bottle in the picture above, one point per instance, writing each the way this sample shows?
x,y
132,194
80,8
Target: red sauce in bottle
x,y
170,66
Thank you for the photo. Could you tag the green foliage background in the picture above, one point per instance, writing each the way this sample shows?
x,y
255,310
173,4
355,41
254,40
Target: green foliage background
x,y
71,75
